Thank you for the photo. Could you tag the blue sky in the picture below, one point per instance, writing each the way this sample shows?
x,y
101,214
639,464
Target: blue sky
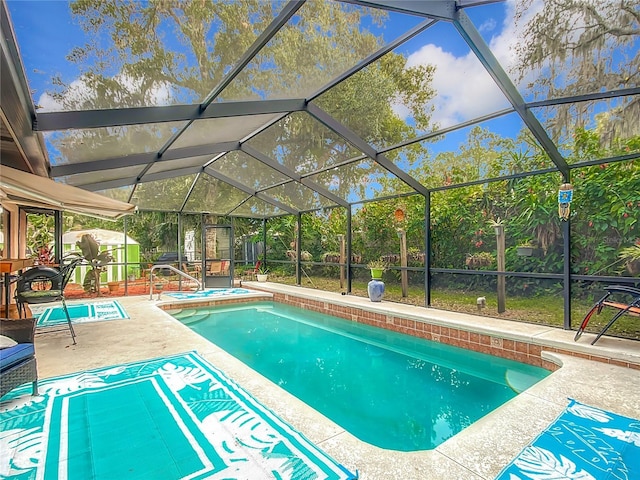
x,y
46,34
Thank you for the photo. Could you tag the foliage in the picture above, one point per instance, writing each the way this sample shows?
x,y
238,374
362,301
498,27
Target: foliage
x,y
576,47
415,254
631,253
40,236
604,217
321,231
481,259
606,208
305,256
96,259
331,257
40,230
377,264
631,258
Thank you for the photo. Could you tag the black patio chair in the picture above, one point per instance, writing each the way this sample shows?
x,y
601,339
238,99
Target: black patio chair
x,y
49,283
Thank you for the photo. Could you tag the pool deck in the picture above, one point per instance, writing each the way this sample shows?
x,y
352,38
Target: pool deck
x,y
478,452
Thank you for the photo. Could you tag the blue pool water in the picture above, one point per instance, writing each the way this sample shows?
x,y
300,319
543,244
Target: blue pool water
x,y
392,390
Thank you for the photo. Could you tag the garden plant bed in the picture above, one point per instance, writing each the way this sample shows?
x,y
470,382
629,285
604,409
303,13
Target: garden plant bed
x,y
140,287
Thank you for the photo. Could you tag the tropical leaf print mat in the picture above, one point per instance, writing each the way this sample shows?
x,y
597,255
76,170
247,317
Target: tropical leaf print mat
x,y
49,316
584,443
169,418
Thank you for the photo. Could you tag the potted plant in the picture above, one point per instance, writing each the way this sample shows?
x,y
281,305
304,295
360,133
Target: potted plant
x,y
262,276
416,255
331,257
133,274
305,256
377,267
526,248
97,260
390,258
480,259
631,257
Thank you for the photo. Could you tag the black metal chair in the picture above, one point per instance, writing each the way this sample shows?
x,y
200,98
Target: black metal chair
x,y
622,299
51,283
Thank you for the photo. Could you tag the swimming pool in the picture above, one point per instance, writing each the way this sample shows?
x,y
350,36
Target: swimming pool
x,y
392,390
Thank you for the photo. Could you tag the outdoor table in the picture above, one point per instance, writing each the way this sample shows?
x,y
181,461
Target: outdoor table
x,y
7,267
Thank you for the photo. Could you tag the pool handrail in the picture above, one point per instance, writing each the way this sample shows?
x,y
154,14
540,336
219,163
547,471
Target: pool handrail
x,y
175,270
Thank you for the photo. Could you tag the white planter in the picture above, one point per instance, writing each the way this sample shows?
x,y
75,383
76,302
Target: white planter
x,y
262,277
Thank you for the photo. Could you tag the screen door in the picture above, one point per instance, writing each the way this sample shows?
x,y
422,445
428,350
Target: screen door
x,y
218,255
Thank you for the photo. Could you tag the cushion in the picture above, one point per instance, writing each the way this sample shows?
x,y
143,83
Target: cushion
x,y
6,342
40,296
14,355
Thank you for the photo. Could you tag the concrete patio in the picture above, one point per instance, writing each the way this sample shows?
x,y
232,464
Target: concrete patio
x,y
478,452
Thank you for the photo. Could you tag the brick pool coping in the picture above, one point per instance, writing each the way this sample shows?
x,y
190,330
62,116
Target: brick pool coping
x,y
479,338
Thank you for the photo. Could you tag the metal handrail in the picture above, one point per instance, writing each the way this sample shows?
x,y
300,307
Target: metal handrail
x,y
173,269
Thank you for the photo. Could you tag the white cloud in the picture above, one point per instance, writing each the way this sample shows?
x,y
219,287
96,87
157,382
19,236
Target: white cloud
x,y
79,91
465,88
503,45
488,26
46,103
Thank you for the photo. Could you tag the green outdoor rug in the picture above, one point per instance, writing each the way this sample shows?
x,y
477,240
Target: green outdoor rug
x,y
167,418
583,443
50,316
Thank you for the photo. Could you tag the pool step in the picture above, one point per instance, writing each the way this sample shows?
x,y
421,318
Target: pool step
x,y
519,381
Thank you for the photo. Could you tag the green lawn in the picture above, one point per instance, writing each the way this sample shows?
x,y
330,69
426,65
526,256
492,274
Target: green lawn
x,y
544,310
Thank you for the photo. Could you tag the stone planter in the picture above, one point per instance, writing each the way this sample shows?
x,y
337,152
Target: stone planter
x,y
262,277
376,273
525,251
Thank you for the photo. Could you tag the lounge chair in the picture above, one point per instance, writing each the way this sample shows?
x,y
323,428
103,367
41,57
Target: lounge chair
x,y
215,268
623,299
219,268
251,274
18,362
